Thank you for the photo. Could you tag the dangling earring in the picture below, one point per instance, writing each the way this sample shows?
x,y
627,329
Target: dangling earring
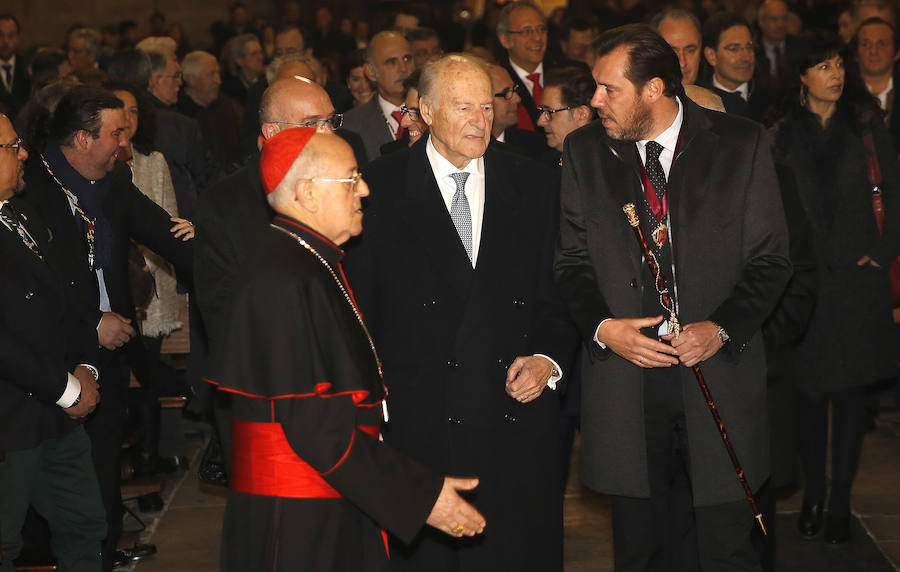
x,y
804,90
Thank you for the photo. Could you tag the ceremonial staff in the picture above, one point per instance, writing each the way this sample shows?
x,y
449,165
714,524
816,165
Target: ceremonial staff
x,y
675,329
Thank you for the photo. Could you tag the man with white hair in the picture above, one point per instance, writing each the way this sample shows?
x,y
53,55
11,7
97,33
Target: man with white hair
x,y
217,113
308,392
453,275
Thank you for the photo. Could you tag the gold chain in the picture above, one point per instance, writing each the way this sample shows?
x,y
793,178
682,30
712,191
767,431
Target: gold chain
x,y
74,201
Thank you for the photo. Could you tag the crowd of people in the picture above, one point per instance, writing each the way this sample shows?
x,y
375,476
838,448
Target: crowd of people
x,y
410,282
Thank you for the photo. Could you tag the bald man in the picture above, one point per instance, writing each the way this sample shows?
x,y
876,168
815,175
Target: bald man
x,y
314,483
389,61
231,214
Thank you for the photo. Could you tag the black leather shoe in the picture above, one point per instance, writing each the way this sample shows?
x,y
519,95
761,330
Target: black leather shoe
x,y
137,552
810,522
837,530
150,503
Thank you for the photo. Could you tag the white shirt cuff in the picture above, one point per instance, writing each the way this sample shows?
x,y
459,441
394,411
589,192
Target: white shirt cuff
x,y
599,343
551,383
73,390
93,370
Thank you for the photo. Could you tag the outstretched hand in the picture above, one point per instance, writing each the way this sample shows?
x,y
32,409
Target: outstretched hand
x,y
452,514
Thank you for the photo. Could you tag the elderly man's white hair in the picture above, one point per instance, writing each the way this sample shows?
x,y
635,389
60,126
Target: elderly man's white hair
x,y
160,44
192,64
433,70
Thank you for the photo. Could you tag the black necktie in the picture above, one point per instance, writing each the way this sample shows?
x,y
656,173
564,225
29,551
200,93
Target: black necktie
x,y
654,168
8,215
7,76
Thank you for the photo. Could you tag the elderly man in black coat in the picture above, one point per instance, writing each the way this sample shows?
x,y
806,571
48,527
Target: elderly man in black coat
x,y
707,197
454,276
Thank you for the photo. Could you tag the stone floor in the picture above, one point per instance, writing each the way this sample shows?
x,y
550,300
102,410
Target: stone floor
x,y
187,533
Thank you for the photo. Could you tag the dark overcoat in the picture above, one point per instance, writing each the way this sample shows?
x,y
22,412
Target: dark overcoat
x,y
849,341
447,334
731,259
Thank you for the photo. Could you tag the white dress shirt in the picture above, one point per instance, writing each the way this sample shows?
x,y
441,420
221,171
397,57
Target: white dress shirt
x,y
386,109
669,140
443,169
772,55
12,72
522,73
474,191
743,90
883,96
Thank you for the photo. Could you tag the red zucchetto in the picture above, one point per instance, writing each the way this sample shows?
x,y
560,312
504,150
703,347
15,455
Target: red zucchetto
x,y
280,152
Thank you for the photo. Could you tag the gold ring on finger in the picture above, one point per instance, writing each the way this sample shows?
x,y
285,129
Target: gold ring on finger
x,y
458,529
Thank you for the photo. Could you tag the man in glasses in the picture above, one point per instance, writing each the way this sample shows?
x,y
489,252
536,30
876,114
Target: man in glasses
x,y
308,392
729,50
389,61
567,106
47,386
506,116
522,31
233,212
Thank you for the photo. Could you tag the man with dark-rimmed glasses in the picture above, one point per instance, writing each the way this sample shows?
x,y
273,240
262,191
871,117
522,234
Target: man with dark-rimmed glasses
x,y
507,105
231,214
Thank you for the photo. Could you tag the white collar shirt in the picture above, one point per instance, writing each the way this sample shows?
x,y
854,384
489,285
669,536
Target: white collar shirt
x,y
443,169
743,90
386,109
668,139
522,73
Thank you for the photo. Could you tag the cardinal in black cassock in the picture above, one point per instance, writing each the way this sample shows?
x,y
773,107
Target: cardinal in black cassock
x,y
313,484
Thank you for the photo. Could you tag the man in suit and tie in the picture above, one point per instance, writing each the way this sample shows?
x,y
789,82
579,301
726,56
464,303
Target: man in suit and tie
x,y
47,385
454,277
522,31
389,61
89,202
707,198
729,50
506,108
15,86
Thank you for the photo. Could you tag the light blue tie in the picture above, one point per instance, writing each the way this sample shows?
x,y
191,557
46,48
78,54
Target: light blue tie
x,y
460,213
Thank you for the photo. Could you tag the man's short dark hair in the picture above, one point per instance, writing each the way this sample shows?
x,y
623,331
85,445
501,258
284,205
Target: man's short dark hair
x,y
420,34
14,21
285,28
126,26
874,21
576,85
716,26
675,14
80,110
131,66
575,24
45,65
649,56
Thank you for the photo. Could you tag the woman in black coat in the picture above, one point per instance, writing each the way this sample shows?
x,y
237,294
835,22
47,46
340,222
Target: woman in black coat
x,y
848,343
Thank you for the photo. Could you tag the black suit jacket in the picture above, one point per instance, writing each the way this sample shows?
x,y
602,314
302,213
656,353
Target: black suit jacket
x,y
132,216
230,218
12,102
731,258
42,336
191,163
447,333
529,143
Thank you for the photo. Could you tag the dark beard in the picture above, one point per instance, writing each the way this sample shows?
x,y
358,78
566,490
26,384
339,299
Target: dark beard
x,y
637,125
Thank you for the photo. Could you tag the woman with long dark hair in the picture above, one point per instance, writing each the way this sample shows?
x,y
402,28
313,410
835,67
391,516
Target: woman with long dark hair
x,y
834,140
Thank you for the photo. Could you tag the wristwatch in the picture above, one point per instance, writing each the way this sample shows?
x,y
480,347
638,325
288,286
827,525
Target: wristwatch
x,y
723,335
